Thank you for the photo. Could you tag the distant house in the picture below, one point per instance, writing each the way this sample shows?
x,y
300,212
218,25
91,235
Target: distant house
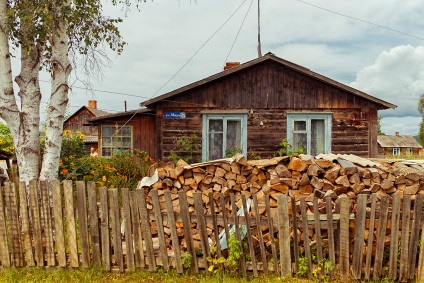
x,y
397,145
78,122
253,107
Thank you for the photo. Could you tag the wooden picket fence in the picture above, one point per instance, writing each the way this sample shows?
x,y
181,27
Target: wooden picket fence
x,y
59,225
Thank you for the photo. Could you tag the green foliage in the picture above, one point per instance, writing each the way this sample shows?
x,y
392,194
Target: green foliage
x,y
230,152
216,263
231,263
303,267
379,132
234,253
287,150
186,147
6,139
186,259
251,154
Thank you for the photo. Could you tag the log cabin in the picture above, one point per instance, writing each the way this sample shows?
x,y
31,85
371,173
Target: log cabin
x,y
397,146
256,107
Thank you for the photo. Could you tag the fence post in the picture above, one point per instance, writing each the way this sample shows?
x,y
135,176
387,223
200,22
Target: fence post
x,y
358,255
344,237
284,235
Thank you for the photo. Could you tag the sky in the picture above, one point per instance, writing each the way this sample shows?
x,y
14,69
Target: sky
x,y
374,46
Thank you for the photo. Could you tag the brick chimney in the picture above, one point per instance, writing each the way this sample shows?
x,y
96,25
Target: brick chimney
x,y
230,65
92,104
397,134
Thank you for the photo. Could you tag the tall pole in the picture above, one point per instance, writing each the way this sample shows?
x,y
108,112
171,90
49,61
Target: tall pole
x,y
259,30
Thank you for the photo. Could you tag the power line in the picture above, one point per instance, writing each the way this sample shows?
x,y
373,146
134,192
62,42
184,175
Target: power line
x,y
361,20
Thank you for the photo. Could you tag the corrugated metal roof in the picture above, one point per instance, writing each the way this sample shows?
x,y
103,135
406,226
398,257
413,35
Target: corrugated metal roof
x,y
96,112
398,141
272,57
90,139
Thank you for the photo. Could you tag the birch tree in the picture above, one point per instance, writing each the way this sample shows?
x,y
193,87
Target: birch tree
x,y
49,35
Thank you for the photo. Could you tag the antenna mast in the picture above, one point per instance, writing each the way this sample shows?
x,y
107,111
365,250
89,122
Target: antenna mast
x,y
259,30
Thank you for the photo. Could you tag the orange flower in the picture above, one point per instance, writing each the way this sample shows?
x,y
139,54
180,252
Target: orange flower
x,y
64,171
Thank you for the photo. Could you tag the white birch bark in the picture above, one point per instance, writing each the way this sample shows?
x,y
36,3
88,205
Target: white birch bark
x,y
61,68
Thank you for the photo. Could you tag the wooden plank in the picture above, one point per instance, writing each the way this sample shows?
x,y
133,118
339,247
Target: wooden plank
x,y
23,205
116,228
295,239
185,216
224,218
174,235
413,245
358,246
394,237
404,240
249,237
381,233
284,235
58,222
83,223
161,234
126,215
48,229
14,227
36,224
237,233
330,231
4,247
305,232
145,227
318,240
370,238
215,225
201,226
138,239
70,223
344,237
271,232
104,229
260,237
94,224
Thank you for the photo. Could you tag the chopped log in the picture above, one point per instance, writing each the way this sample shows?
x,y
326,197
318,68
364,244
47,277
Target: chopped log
x,y
282,171
314,170
348,168
324,163
297,164
332,173
342,180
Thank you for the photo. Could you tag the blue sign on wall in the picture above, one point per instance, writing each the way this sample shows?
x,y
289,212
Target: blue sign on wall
x,y
174,115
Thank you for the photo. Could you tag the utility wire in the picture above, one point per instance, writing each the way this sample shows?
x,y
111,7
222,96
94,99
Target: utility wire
x,y
361,20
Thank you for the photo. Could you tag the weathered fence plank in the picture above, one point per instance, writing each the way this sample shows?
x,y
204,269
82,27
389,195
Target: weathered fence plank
x,y
318,240
174,235
249,237
284,235
305,232
14,227
260,237
161,233
36,224
215,225
237,233
70,223
344,237
416,226
359,237
224,218
381,233
105,232
370,238
404,246
94,224
47,217
145,227
4,248
394,237
295,239
271,233
330,231
82,221
201,226
23,205
58,222
116,228
126,215
138,239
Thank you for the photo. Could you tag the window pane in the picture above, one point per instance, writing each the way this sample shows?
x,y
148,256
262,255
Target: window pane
x,y
107,141
125,131
233,135
317,137
299,141
126,142
215,145
216,126
299,125
108,131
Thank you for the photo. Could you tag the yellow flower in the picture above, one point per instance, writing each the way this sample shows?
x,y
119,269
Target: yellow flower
x,y
82,136
11,147
60,162
104,178
67,132
2,142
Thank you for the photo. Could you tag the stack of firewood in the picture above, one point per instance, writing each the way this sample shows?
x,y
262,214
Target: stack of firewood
x,y
302,176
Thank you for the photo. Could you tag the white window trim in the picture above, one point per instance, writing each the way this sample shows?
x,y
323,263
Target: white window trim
x,y
396,151
231,116
308,116
409,151
101,138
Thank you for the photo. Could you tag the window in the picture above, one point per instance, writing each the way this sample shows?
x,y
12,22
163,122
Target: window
x,y
310,131
223,134
409,151
111,143
396,151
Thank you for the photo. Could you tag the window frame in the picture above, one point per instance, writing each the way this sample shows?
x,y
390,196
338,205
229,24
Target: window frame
x,y
206,117
307,117
409,151
101,146
396,150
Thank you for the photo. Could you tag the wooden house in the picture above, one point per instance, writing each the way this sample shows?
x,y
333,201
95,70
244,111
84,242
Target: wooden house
x,y
398,146
78,121
255,106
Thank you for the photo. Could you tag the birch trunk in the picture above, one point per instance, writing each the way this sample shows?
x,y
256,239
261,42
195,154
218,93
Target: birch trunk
x,y
61,68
